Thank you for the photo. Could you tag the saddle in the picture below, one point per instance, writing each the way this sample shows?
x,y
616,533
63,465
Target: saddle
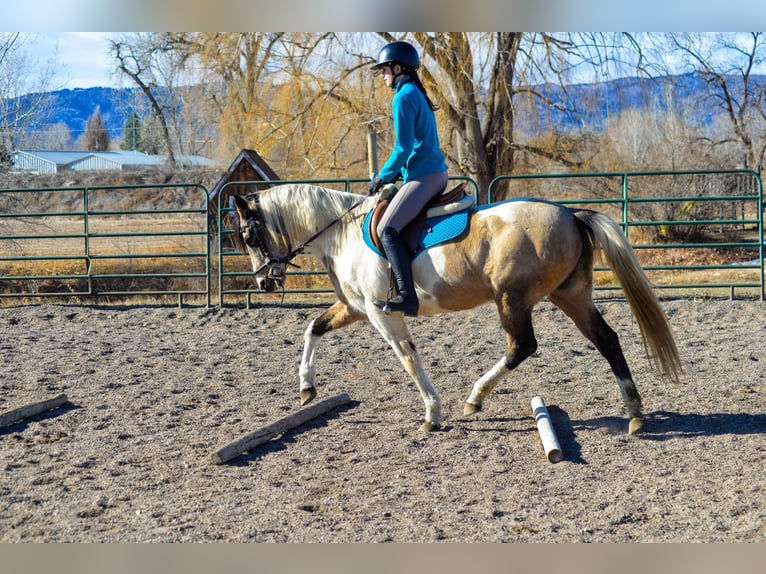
x,y
443,204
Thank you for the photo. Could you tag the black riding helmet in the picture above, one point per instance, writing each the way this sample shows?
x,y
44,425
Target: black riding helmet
x,y
402,53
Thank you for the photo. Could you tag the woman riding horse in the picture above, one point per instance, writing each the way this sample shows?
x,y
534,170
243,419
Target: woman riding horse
x,y
416,157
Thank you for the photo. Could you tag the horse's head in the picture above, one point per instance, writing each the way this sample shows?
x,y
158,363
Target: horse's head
x,y
251,236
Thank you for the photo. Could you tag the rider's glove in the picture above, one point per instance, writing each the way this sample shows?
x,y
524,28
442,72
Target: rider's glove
x,y
375,185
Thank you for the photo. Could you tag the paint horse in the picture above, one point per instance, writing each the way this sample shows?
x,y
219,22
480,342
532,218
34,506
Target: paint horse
x,y
514,253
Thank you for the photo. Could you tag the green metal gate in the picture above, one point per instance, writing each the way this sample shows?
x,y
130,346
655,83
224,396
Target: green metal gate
x,y
121,241
693,230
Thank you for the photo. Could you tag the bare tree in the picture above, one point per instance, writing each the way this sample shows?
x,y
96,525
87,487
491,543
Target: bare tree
x,y
727,64
237,71
149,60
25,104
56,136
306,100
321,98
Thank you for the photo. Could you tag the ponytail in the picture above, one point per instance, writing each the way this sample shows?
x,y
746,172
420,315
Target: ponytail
x,y
413,74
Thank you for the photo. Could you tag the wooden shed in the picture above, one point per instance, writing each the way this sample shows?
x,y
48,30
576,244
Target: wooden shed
x,y
248,166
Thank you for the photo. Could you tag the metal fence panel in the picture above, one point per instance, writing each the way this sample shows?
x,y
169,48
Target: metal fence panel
x,y
692,231
107,241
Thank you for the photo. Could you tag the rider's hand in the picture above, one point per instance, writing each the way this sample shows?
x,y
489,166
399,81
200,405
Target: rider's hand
x,y
375,185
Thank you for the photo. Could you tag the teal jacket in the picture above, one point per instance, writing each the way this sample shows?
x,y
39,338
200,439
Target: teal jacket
x,y
416,150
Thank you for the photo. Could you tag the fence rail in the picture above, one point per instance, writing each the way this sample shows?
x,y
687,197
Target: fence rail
x,y
697,216
692,230
96,249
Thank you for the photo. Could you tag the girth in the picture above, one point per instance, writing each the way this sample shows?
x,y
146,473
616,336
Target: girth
x,y
448,201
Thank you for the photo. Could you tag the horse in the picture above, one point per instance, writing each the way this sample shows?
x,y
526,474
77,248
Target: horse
x,y
514,253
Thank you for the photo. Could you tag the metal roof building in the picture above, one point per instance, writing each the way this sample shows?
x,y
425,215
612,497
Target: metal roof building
x,y
43,161
48,161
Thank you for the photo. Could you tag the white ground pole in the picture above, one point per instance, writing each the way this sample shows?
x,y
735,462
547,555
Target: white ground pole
x,y
545,428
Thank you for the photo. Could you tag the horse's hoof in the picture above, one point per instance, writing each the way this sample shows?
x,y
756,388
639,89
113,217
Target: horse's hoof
x,y
430,427
636,425
470,408
308,395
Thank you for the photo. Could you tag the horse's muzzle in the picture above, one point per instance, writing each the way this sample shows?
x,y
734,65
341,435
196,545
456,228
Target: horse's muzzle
x,y
269,284
269,277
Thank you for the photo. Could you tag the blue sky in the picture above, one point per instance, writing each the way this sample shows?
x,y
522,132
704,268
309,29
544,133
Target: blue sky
x,y
83,60
82,57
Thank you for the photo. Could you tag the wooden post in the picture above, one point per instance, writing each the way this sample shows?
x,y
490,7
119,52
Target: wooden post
x,y
265,434
372,151
15,415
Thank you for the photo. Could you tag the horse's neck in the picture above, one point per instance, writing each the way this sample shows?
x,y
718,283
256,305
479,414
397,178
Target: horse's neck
x,y
312,210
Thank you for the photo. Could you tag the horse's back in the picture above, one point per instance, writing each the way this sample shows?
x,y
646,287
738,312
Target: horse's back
x,y
521,209
540,229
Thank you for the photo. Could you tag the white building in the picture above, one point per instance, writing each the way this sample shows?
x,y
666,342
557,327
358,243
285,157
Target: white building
x,y
48,161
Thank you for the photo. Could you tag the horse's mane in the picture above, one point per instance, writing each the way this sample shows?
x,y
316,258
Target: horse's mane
x,y
293,209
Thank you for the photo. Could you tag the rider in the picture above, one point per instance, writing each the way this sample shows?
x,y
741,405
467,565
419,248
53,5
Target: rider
x,y
416,157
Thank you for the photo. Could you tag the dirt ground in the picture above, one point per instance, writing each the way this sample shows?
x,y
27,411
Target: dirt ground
x,y
154,391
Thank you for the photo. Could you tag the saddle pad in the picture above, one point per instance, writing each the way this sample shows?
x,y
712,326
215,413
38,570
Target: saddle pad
x,y
436,230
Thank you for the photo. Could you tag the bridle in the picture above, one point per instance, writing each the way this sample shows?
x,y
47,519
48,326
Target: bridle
x,y
256,228
253,234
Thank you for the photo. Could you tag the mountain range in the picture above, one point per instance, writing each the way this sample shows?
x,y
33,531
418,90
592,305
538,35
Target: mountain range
x,y
74,107
595,102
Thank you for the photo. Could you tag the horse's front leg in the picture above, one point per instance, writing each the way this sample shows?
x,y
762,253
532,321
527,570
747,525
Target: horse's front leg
x,y
395,332
338,316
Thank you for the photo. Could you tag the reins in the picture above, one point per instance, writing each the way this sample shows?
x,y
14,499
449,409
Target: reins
x,y
298,250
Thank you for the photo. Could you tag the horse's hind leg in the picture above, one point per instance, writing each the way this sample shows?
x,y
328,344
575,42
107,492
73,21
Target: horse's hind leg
x,y
580,308
338,316
521,344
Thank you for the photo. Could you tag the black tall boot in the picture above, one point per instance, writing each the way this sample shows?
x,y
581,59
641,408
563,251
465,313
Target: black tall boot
x,y
399,257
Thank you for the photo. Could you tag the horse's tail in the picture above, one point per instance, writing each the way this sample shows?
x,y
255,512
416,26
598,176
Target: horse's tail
x,y
660,346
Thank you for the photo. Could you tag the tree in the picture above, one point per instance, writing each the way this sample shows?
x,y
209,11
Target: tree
x,y
131,133
5,158
727,64
96,136
481,82
152,140
306,101
490,81
56,136
150,60
238,71
25,103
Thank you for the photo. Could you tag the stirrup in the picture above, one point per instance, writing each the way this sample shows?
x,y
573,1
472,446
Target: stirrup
x,y
392,305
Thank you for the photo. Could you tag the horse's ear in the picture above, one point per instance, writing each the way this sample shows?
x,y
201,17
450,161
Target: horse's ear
x,y
240,203
242,207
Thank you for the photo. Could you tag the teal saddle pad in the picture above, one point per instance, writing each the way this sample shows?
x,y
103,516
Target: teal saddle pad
x,y
436,230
